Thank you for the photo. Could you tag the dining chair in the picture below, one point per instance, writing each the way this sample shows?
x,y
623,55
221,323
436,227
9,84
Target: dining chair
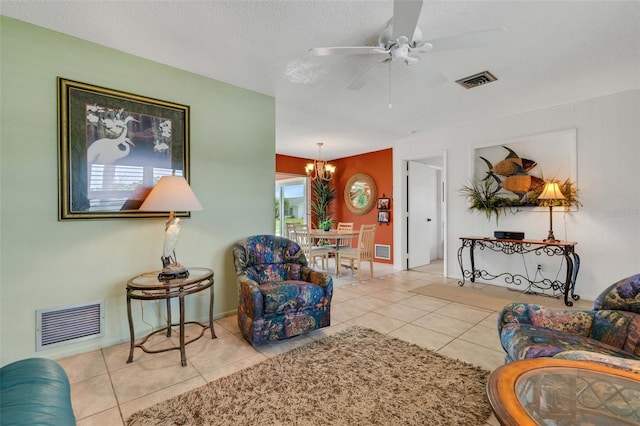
x,y
341,242
290,228
305,241
344,226
361,253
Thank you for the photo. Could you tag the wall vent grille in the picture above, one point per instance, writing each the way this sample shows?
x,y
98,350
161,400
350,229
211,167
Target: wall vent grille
x,y
476,80
61,326
382,251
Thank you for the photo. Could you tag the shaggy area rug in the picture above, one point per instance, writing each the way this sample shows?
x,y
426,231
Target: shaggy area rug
x,y
355,377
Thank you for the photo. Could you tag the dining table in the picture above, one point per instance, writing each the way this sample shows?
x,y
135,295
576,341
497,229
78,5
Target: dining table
x,y
333,235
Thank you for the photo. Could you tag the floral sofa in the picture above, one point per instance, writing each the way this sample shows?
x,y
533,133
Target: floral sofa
x,y
608,333
279,295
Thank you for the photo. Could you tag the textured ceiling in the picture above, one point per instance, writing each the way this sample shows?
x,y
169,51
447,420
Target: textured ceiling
x,y
557,52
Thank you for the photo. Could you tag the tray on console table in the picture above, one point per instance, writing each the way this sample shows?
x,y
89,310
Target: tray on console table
x,y
537,247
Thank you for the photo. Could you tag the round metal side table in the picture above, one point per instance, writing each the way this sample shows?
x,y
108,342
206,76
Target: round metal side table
x,y
147,286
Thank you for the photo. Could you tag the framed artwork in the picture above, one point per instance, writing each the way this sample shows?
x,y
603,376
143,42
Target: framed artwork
x,y
384,203
113,148
517,169
384,216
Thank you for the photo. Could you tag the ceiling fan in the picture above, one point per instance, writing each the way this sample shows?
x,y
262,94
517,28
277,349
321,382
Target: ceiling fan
x,y
401,40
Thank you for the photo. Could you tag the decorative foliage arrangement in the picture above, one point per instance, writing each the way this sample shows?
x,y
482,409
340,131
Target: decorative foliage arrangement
x,y
483,197
508,185
323,194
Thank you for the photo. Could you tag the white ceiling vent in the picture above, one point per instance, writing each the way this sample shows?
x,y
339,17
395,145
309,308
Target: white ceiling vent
x,y
476,80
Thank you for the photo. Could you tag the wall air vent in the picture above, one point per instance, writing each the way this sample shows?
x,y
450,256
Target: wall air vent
x,y
55,327
476,80
382,251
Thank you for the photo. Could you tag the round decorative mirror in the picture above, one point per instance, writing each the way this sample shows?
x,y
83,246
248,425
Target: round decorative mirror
x,y
360,193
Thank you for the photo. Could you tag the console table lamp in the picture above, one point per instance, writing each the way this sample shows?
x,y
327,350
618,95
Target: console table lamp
x,y
171,194
551,192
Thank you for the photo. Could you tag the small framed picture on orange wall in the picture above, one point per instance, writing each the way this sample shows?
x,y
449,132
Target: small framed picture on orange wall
x,y
384,216
384,203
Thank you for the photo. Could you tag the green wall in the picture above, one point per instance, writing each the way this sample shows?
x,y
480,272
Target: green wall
x,y
45,263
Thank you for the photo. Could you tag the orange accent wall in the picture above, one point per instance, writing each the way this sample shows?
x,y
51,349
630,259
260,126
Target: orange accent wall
x,y
378,165
291,165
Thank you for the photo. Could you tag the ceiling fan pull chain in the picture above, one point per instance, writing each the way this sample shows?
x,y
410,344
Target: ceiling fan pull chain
x,y
390,105
402,41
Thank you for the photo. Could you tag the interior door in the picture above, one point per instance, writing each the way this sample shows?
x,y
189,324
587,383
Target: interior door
x,y
422,211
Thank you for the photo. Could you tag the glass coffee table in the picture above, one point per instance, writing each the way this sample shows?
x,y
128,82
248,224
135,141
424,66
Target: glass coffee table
x,y
547,391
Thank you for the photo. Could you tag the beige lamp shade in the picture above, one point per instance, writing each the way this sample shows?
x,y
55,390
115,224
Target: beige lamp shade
x,y
551,191
171,194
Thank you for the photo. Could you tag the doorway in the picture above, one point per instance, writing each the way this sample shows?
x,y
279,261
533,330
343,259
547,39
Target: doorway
x,y
291,201
424,227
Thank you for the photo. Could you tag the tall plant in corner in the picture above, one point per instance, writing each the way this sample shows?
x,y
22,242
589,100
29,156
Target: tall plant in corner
x,y
323,193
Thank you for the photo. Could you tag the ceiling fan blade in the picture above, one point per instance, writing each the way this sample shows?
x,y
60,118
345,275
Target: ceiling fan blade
x,y
424,47
347,50
405,18
428,73
470,40
365,76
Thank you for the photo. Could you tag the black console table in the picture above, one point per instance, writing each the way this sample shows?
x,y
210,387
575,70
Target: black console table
x,y
538,247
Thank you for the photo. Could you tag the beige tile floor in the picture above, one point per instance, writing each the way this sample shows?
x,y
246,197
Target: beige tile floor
x,y
105,390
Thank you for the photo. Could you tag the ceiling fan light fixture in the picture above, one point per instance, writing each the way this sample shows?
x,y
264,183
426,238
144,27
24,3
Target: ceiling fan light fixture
x,y
402,38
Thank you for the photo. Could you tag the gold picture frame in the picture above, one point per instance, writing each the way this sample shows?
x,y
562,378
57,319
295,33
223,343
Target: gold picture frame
x,y
360,193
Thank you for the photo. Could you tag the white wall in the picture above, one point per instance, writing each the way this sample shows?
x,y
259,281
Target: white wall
x,y
48,264
607,227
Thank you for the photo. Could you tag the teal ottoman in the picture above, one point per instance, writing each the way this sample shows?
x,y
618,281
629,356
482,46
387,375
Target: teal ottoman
x,y
35,391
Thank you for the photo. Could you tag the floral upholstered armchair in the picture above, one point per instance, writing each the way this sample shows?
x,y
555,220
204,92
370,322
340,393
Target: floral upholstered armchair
x,y
279,295
609,333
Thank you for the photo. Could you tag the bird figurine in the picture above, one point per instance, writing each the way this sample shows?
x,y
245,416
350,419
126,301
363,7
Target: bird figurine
x,y
110,150
171,236
171,267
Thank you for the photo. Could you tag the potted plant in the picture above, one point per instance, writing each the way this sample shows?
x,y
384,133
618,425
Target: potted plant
x,y
326,224
323,194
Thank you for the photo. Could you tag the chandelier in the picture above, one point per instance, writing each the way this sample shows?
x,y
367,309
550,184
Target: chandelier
x,y
320,169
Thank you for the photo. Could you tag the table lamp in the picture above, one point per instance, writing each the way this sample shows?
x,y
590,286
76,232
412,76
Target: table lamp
x,y
551,192
171,194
